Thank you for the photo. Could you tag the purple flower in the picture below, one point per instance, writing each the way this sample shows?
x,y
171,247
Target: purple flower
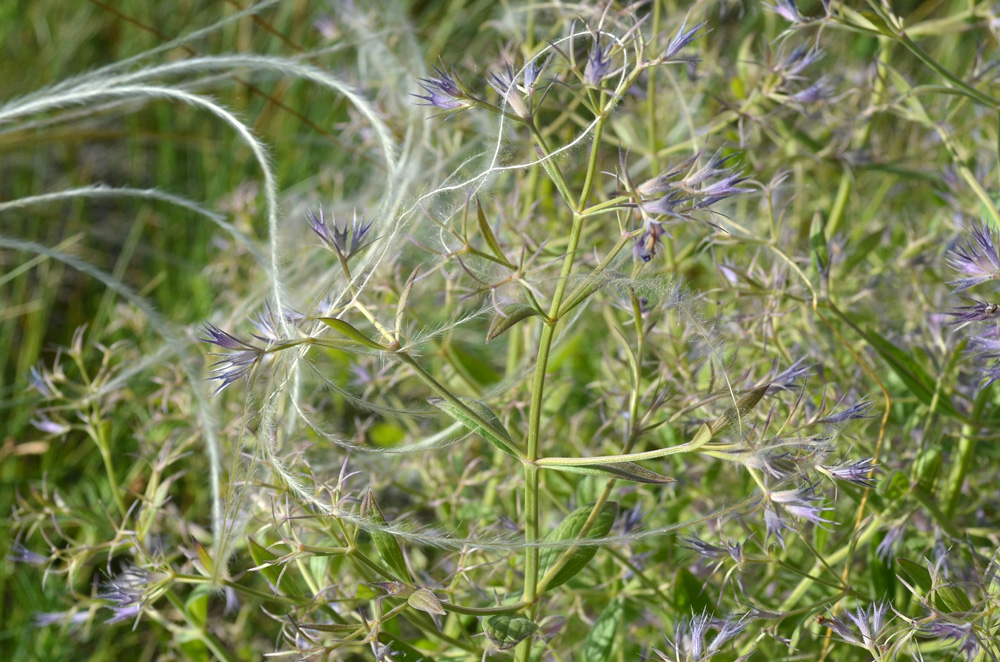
x,y
977,260
690,636
597,64
40,382
976,311
773,525
787,378
858,473
444,92
48,426
733,549
721,190
46,618
21,554
859,410
818,91
126,593
886,549
798,60
799,502
239,359
714,168
869,622
505,83
787,10
335,238
531,73
682,39
958,632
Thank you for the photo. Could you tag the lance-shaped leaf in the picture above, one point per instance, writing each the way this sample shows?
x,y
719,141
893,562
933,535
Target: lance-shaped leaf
x,y
268,563
569,530
505,631
385,542
487,232
744,405
342,327
629,471
404,296
424,600
479,418
912,374
509,316
601,637
817,241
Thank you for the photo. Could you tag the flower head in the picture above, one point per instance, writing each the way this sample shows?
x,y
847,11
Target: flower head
x,y
787,10
962,633
682,39
505,83
336,238
977,261
598,64
869,623
126,593
239,358
859,410
690,642
858,473
886,549
791,65
444,92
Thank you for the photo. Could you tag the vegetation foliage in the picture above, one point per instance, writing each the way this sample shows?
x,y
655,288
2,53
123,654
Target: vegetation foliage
x,y
552,331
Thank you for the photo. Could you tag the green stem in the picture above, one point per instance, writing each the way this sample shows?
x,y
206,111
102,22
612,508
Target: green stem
x,y
523,650
966,453
206,638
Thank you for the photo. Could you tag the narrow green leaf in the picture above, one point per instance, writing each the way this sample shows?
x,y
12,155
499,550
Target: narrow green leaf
x,y
206,559
472,365
264,559
928,469
404,296
896,487
911,373
424,600
629,471
817,240
487,232
878,23
505,631
509,316
197,604
952,599
690,595
883,579
915,574
342,327
484,422
601,638
387,545
569,529
860,250
744,405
